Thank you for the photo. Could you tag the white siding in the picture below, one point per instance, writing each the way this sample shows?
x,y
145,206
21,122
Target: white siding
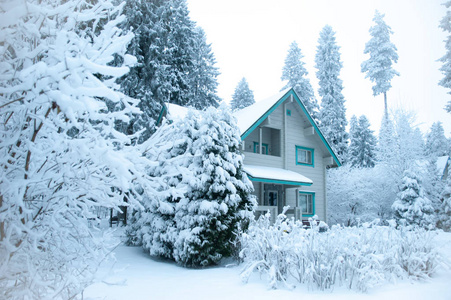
x,y
294,136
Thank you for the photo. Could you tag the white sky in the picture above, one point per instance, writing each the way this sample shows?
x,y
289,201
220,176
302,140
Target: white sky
x,y
250,38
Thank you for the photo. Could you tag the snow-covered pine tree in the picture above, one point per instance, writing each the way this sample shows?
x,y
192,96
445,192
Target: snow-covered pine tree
x,y
411,207
445,25
436,142
243,96
164,44
363,143
295,73
445,211
378,67
203,77
60,156
332,114
170,147
203,195
218,200
147,46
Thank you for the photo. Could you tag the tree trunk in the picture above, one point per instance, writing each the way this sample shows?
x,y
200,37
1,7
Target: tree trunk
x,y
385,104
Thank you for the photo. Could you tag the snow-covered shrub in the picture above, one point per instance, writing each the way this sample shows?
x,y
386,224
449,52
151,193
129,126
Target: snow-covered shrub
x,y
356,257
411,207
204,195
60,156
359,194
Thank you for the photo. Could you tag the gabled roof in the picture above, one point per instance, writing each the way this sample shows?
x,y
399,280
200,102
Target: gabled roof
x,y
251,117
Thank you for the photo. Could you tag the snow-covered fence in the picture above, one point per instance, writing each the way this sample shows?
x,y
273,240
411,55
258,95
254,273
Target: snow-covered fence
x,y
356,257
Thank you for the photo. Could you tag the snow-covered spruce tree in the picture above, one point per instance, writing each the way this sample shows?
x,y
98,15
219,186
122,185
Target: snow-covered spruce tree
x,y
203,77
445,211
140,83
332,114
445,25
436,142
218,199
164,44
60,156
204,195
411,207
378,67
243,96
295,73
363,143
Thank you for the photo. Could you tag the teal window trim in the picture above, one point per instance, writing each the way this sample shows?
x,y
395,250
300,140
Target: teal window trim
x,y
256,144
306,149
275,181
313,203
288,112
289,93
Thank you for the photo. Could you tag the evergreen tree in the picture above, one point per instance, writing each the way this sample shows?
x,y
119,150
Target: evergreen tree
x,y
203,78
332,115
203,196
295,73
363,143
436,142
378,67
411,207
243,96
445,211
164,43
445,25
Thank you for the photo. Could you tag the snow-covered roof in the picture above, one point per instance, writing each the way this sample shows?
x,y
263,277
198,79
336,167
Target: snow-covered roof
x,y
442,162
247,116
275,175
176,112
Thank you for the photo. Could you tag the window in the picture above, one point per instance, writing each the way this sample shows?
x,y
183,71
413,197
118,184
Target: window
x,y
306,201
257,148
304,156
288,112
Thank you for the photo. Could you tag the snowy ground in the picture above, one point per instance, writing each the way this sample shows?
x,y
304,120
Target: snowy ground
x,y
135,275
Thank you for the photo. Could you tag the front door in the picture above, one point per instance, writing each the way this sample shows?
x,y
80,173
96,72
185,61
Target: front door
x,y
273,196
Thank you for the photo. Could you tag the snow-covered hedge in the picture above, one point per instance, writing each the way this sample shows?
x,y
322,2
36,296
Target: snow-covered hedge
x,y
356,257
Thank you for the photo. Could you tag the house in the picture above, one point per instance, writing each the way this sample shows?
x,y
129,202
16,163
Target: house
x,y
285,155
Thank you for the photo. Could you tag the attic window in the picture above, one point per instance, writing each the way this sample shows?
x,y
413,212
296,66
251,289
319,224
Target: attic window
x,y
288,112
304,156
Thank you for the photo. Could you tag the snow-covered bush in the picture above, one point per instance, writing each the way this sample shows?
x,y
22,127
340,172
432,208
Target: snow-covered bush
x,y
411,207
204,195
60,157
359,195
356,257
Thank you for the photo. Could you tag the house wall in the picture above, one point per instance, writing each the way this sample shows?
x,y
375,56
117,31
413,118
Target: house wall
x,y
292,134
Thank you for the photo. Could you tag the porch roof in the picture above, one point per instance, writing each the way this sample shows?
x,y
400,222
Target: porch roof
x,y
275,175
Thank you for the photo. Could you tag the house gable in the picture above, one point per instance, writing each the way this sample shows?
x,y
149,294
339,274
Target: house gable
x,y
249,120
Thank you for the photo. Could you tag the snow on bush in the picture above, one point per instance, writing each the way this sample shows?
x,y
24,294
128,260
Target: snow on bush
x,y
204,194
358,258
60,157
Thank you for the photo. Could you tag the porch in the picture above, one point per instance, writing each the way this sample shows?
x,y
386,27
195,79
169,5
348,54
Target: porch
x,y
276,188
